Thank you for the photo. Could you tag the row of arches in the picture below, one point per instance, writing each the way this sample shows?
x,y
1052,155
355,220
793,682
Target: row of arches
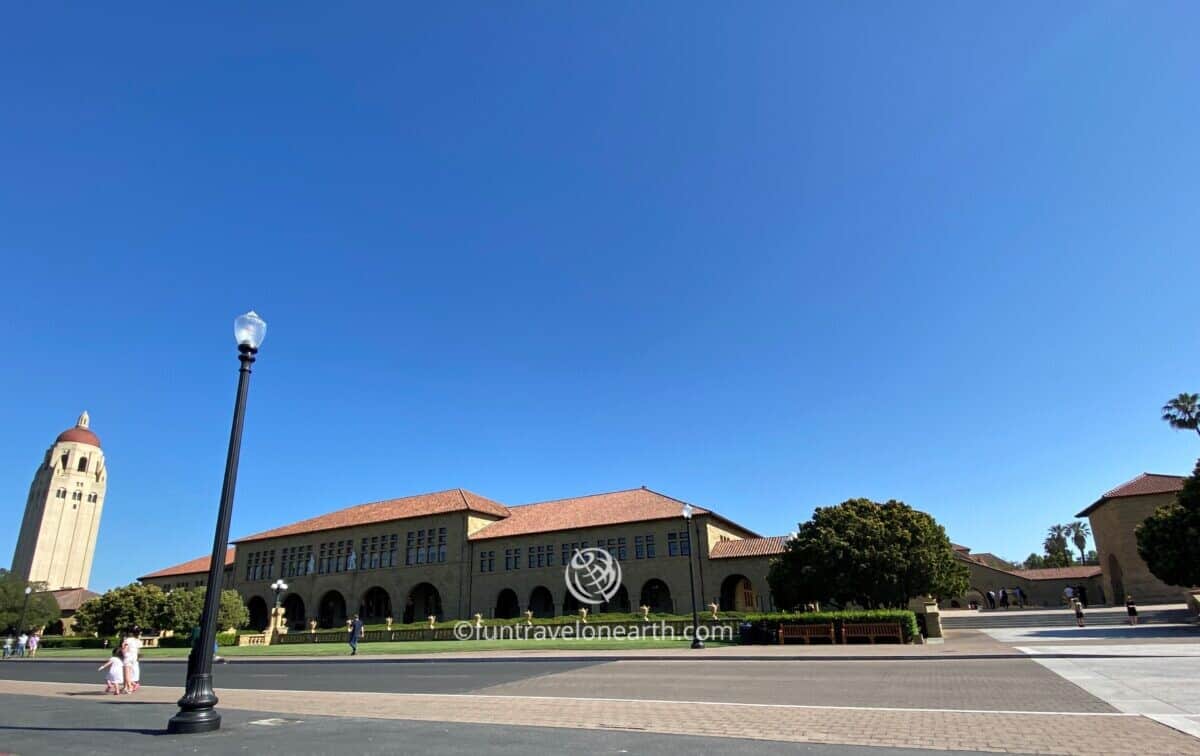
x,y
375,605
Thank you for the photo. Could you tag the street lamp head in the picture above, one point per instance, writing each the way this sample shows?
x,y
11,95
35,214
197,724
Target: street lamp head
x,y
249,330
687,511
28,590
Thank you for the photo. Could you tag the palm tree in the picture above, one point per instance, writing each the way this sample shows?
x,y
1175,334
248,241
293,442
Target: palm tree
x,y
1079,532
1183,412
1056,541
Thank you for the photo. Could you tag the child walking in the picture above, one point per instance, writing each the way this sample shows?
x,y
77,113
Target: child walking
x,y
114,681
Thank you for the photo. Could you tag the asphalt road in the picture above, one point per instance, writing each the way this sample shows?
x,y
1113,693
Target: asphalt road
x,y
1012,684
31,726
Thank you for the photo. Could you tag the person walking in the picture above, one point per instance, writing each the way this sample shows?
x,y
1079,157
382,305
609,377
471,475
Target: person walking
x,y
8,645
114,681
1131,610
1079,613
1003,598
22,641
356,632
991,599
34,640
131,648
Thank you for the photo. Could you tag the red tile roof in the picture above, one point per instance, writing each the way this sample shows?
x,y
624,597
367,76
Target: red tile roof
x,y
1145,484
199,564
422,505
1061,573
749,547
597,510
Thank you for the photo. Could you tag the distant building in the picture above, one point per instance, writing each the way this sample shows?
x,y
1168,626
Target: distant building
x,y
1114,518
193,574
454,553
62,513
1042,587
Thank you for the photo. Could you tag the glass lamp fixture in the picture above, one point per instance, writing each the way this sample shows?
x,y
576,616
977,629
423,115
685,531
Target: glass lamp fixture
x,y
249,330
687,511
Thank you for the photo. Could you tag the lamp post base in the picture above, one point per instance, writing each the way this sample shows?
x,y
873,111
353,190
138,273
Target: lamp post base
x,y
192,722
697,643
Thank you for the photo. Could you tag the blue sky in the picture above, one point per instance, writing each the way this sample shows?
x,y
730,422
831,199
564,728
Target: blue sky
x,y
763,261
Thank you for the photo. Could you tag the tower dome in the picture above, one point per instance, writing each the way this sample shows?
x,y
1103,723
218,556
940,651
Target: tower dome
x,y
80,434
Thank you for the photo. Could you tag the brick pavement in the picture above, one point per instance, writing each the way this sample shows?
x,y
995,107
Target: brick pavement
x,y
1020,732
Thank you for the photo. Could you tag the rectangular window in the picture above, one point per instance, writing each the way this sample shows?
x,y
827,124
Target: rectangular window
x,y
672,544
410,556
441,544
649,547
621,553
639,547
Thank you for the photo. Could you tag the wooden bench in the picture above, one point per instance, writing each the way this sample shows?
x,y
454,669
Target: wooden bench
x,y
871,631
806,633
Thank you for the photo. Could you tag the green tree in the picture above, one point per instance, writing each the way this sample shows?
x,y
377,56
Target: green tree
x,y
1079,532
1035,561
43,609
1055,547
1183,412
181,609
874,555
121,609
1169,539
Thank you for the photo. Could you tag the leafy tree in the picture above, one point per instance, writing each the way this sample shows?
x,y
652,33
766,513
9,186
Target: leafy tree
x,y
1092,557
1183,412
1169,540
181,609
1035,561
42,610
875,555
1055,546
121,609
1079,532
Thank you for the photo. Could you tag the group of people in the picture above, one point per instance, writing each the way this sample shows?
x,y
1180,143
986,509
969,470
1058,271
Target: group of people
x,y
1015,596
123,674
24,645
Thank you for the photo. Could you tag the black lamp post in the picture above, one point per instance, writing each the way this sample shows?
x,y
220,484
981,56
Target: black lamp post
x,y
279,587
197,712
24,609
687,518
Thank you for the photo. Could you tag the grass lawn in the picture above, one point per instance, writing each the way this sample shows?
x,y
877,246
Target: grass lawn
x,y
385,647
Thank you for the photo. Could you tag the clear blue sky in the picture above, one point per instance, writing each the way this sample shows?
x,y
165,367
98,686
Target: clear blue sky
x,y
762,260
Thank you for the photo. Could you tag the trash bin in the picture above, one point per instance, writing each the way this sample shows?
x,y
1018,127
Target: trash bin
x,y
745,633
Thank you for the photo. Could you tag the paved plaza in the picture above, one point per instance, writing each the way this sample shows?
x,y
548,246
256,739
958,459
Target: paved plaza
x,y
995,691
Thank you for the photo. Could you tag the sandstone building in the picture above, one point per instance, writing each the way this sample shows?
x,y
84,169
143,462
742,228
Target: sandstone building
x,y
454,553
62,513
1114,516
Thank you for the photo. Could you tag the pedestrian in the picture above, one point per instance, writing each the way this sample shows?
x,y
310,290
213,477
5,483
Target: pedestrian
x,y
34,640
1079,614
131,648
1131,610
991,599
1003,599
1069,592
22,641
114,681
1020,597
8,645
356,632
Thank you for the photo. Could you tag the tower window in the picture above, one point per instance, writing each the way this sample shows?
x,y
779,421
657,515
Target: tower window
x,y
63,459
77,495
82,464
60,493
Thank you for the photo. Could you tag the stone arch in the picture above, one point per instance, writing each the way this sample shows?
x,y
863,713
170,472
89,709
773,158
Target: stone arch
x,y
259,615
657,596
541,602
375,607
570,604
331,610
618,603
1116,578
737,594
507,604
293,612
423,600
